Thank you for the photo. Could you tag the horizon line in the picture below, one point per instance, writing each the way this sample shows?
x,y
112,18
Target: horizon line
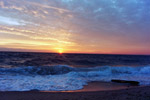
x,y
75,53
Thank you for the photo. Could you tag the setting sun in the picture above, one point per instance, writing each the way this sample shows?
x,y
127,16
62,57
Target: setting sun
x,y
60,51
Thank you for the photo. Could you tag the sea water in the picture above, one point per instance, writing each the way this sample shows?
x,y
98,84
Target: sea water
x,y
55,72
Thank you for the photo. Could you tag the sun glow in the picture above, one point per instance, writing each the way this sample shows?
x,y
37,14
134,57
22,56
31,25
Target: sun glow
x,y
60,51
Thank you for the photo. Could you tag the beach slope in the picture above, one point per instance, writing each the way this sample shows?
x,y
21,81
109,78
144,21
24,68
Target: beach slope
x,y
137,93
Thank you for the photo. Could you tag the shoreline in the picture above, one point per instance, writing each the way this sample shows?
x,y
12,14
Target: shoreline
x,y
92,91
100,86
104,86
137,93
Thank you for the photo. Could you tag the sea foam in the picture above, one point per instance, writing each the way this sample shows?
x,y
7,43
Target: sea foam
x,y
63,77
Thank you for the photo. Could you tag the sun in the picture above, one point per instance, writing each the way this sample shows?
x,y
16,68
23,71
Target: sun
x,y
60,51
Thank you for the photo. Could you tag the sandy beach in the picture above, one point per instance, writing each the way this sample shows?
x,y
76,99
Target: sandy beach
x,y
134,93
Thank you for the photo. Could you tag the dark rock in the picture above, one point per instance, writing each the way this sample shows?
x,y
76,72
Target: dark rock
x,y
136,83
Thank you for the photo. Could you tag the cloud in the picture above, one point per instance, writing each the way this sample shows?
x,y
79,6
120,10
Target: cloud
x,y
10,21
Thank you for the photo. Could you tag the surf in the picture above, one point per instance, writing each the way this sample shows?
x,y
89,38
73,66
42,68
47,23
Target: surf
x,y
64,77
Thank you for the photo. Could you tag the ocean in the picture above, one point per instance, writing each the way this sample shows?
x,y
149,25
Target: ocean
x,y
24,71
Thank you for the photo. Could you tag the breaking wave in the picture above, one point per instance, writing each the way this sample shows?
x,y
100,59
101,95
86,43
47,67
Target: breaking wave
x,y
63,77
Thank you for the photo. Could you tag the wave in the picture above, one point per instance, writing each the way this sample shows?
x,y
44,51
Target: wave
x,y
63,77
44,70
63,69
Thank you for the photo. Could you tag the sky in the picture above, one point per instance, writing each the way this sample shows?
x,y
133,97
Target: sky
x,y
75,26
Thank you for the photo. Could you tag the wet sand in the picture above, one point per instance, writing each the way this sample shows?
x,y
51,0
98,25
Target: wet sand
x,y
104,86
109,93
